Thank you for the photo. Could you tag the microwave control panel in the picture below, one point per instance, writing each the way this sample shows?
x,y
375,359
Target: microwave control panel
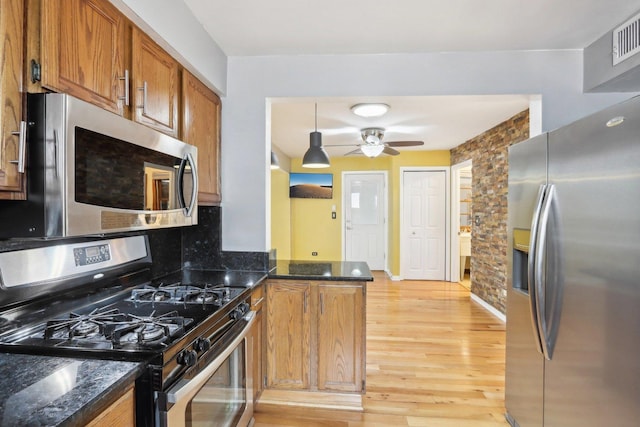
x,y
91,254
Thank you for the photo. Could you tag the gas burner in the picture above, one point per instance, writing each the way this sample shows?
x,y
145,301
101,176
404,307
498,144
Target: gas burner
x,y
152,294
85,329
177,293
79,326
149,330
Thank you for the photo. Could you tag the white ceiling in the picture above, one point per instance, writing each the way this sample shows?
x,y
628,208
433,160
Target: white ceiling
x,y
442,122
316,27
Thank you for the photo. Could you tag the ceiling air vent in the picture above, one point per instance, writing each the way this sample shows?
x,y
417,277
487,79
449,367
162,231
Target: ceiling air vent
x,y
626,40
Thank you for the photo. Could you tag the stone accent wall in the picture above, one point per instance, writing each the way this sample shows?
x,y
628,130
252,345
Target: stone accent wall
x,y
489,154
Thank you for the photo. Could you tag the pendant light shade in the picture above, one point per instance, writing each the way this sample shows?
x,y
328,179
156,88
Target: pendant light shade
x,y
315,157
275,164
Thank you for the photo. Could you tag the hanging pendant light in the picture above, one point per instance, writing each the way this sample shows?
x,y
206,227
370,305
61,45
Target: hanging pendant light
x,y
315,157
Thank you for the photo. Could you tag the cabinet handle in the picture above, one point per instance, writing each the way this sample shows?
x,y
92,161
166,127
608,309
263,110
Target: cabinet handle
x,y
144,97
321,303
125,98
22,135
305,302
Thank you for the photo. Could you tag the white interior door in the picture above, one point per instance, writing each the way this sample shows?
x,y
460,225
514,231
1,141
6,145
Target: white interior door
x,y
364,205
423,239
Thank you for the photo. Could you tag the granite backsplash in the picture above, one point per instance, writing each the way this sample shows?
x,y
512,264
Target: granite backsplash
x,y
197,247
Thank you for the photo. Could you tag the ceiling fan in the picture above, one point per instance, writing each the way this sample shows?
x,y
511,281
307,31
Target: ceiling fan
x,y
372,144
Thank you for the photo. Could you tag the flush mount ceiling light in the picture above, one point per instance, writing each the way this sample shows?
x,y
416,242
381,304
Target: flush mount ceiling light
x,y
370,110
315,157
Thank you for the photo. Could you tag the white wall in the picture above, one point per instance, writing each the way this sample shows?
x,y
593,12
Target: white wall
x,y
556,75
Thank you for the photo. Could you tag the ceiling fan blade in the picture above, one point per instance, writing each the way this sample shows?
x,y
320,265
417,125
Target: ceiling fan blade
x,y
404,143
356,151
390,151
340,145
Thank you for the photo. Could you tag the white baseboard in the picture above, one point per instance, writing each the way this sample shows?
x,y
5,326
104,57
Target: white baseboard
x,y
491,309
392,277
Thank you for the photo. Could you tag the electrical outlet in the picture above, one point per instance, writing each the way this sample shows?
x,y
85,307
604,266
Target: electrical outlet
x,y
314,253
333,215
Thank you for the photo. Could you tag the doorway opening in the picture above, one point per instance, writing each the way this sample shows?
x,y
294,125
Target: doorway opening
x,y
462,221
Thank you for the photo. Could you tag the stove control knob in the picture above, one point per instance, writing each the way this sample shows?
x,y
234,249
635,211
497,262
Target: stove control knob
x,y
239,311
201,345
187,358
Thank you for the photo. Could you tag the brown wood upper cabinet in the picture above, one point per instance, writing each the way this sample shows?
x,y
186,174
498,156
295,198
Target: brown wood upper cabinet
x,y
84,51
155,85
201,127
315,336
11,78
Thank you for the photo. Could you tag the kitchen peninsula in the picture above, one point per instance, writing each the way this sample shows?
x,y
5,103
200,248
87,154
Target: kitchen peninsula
x,y
315,333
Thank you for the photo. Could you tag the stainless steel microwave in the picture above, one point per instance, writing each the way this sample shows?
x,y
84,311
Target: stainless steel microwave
x,y
92,172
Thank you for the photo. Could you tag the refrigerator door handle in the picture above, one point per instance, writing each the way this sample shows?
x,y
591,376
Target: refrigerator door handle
x,y
531,277
540,271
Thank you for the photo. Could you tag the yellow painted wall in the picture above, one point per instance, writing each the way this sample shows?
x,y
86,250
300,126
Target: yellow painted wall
x,y
280,214
313,230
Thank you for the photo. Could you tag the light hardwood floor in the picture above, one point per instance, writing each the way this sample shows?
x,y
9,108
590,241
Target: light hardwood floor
x,y
434,358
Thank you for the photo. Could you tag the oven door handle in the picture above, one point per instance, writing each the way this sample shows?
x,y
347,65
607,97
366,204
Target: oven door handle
x,y
184,391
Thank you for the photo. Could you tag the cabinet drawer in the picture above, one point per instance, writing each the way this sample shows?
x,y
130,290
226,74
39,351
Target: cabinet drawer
x,y
257,297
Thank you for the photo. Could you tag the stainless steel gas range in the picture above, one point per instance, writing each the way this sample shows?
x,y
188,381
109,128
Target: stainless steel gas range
x,y
95,299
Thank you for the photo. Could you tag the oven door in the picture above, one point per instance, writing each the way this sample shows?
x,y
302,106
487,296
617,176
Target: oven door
x,y
217,393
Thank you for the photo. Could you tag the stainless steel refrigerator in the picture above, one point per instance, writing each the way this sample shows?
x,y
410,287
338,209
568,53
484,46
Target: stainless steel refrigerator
x,y
573,282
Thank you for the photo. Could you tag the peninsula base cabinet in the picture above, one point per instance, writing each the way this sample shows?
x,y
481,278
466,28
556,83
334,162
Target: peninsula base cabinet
x,y
315,336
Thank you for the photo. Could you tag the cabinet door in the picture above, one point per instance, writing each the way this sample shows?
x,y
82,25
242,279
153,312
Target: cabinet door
x,y
121,413
340,337
201,127
84,50
155,85
11,66
288,335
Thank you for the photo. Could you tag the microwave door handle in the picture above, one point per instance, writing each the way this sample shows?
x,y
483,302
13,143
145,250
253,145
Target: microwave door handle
x,y
194,179
55,153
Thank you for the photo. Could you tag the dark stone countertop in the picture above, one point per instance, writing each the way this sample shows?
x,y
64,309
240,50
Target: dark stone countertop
x,y
322,270
235,278
57,391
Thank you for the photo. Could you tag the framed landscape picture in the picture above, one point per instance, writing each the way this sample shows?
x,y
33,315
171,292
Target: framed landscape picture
x,y
311,185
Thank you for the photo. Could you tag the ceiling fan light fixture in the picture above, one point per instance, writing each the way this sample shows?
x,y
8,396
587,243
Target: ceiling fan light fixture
x,y
370,109
372,150
315,157
372,139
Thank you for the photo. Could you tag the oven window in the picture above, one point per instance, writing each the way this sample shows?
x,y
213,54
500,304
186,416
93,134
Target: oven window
x,y
222,400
